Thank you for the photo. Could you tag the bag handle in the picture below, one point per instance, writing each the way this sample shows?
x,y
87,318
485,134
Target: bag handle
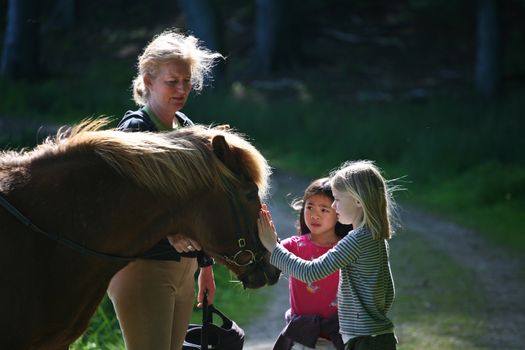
x,y
206,319
208,310
225,320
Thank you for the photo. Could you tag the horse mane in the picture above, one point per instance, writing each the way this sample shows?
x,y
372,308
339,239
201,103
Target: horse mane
x,y
153,160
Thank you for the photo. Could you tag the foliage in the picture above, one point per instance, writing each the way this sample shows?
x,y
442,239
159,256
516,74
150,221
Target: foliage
x,y
101,89
103,331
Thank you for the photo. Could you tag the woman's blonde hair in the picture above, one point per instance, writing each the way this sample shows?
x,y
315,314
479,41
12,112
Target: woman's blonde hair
x,y
363,181
172,46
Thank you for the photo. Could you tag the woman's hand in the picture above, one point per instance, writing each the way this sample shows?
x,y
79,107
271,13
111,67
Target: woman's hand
x,y
267,233
183,244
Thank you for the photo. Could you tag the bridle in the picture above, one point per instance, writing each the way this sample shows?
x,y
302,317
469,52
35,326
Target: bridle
x,y
244,257
233,259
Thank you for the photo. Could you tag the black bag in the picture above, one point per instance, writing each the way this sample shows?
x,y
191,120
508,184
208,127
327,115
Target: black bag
x,y
228,336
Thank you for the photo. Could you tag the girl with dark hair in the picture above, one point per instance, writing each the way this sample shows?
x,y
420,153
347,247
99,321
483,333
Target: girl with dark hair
x,y
313,304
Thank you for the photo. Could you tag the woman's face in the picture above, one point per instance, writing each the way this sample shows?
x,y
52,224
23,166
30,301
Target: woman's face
x,y
349,210
319,216
170,89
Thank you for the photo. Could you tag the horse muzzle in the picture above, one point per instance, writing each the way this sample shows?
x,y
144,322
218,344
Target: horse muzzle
x,y
259,275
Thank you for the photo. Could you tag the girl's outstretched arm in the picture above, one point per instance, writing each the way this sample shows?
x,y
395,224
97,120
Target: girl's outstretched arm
x,y
267,233
343,254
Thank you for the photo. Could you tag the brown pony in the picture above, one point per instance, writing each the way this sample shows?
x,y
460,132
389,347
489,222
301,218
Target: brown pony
x,y
73,215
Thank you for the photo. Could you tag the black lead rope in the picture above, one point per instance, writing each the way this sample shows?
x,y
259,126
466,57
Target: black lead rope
x,y
64,240
206,320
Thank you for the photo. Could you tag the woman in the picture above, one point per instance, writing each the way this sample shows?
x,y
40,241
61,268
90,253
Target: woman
x,y
153,297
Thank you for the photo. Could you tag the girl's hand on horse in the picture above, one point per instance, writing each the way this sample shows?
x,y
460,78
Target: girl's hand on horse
x,y
183,244
267,233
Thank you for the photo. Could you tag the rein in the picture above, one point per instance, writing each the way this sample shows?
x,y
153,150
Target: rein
x,y
63,240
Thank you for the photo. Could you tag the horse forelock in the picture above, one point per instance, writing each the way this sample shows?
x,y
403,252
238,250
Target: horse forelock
x,y
170,163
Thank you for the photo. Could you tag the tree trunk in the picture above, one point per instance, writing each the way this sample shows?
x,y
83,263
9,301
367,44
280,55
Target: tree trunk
x,y
488,56
267,18
281,30
62,16
20,55
202,20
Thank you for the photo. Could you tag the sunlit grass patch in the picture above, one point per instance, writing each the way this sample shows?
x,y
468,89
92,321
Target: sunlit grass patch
x,y
439,304
488,198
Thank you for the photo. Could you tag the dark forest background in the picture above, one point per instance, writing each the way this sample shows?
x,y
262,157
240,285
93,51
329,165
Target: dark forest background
x,y
432,90
409,48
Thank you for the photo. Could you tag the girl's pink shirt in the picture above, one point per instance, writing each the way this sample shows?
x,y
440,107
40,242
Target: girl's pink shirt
x,y
315,298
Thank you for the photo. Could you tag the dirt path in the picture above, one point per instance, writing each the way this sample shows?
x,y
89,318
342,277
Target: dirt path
x,y
501,276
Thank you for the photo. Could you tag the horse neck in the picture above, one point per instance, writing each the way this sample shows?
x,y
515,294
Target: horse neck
x,y
81,197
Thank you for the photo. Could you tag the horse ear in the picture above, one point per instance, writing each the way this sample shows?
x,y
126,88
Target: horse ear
x,y
223,151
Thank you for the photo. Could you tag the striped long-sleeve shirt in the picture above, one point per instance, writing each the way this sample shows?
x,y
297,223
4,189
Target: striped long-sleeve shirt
x,y
366,287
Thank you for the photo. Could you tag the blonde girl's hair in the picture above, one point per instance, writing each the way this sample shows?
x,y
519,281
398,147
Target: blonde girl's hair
x,y
363,181
172,46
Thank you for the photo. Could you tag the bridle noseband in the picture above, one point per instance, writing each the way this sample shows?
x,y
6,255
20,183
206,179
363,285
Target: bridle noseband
x,y
254,257
243,252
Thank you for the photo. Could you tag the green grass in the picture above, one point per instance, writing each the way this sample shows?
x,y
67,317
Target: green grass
x,y
436,306
488,198
103,89
235,302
